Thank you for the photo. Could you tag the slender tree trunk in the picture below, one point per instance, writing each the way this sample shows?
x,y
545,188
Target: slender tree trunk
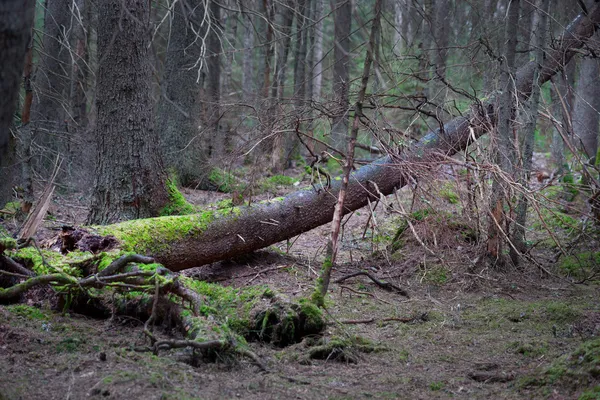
x,y
231,26
300,76
442,39
180,108
562,107
338,213
286,13
248,77
130,180
539,28
16,19
342,16
504,154
216,147
318,51
50,118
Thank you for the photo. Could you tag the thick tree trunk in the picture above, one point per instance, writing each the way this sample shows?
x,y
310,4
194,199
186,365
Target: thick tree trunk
x,y
16,19
193,240
130,180
587,105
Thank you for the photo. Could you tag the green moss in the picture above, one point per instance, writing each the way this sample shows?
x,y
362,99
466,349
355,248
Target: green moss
x,y
576,370
25,311
152,235
225,181
44,262
318,295
447,192
580,265
271,184
178,205
6,243
529,349
593,393
69,345
436,275
435,386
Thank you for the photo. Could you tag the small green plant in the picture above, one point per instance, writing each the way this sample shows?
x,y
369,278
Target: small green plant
x,y
28,312
224,181
69,345
435,386
437,275
592,394
580,265
447,192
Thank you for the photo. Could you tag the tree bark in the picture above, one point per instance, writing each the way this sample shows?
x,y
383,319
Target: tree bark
x,y
189,241
537,43
130,180
318,51
180,107
216,145
587,107
504,152
16,19
342,15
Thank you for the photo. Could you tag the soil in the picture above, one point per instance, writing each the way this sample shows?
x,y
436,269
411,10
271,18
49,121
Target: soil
x,y
477,332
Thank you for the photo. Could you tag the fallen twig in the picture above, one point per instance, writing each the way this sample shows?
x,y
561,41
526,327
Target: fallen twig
x,y
420,317
382,284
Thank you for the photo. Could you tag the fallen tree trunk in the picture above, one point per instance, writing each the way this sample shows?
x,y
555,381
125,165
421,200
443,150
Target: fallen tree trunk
x,y
183,242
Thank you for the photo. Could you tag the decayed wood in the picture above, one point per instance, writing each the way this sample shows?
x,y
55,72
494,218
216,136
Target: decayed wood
x,y
251,228
35,218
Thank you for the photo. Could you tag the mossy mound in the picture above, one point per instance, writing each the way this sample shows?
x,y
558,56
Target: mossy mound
x,y
575,371
259,314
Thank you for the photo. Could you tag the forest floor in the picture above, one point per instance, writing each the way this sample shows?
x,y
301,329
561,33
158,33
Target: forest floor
x,y
466,331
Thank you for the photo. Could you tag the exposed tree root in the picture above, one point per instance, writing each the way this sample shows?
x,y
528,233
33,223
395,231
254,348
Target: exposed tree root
x,y
210,317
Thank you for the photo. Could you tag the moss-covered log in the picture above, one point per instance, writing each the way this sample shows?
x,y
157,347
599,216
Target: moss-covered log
x,y
182,242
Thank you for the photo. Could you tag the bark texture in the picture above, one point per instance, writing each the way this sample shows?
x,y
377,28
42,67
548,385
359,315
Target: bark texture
x,y
16,19
180,108
130,179
190,241
341,71
49,116
587,107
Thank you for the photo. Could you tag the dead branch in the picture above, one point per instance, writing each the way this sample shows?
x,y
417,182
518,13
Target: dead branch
x,y
382,284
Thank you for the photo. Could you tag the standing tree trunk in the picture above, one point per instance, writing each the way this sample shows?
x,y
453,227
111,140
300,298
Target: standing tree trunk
x,y
317,52
538,39
300,76
587,107
130,179
286,13
179,107
342,16
216,147
504,153
442,38
52,86
16,19
248,78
